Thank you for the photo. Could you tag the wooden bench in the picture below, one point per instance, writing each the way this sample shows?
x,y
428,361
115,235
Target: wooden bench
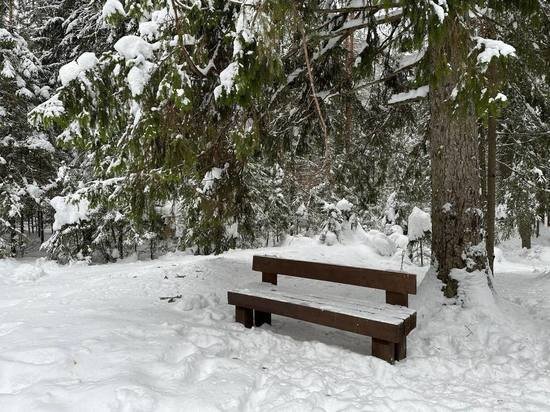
x,y
387,323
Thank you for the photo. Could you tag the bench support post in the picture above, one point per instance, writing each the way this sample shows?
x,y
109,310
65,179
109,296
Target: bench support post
x,y
394,298
383,350
261,317
269,278
401,349
244,316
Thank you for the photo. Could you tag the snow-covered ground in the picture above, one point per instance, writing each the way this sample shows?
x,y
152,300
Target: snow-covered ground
x,y
99,338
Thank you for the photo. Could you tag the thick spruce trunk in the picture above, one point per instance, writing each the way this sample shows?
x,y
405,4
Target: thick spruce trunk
x,y
456,198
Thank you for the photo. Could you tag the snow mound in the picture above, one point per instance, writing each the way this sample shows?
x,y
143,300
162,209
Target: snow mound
x,y
14,272
474,292
398,238
378,241
331,238
26,272
196,302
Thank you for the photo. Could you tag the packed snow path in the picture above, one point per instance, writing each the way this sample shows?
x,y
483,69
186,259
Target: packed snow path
x,y
99,338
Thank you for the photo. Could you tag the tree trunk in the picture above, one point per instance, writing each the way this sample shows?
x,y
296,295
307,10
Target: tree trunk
x,y
491,189
456,214
121,243
482,162
348,110
13,237
41,225
525,231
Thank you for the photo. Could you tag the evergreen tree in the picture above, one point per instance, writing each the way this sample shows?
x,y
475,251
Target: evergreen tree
x,y
26,161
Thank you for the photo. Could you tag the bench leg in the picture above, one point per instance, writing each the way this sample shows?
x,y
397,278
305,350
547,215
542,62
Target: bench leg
x,y
244,316
401,349
261,317
383,350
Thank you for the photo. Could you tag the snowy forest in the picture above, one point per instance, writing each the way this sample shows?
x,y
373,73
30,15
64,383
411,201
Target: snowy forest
x,y
150,148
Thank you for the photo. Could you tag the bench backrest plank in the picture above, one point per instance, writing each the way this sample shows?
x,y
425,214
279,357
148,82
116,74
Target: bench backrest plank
x,y
398,282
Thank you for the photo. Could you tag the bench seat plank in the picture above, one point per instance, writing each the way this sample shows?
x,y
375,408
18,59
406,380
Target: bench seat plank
x,y
380,320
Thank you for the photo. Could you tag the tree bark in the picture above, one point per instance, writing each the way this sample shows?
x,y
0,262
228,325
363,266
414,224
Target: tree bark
x,y
525,231
491,189
456,199
348,111
482,161
41,225
491,173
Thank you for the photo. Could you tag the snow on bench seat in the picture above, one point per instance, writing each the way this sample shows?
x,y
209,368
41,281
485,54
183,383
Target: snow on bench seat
x,y
380,312
364,317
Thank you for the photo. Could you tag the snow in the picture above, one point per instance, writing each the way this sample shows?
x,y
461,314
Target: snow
x,y
344,205
210,178
72,70
359,308
388,14
34,191
24,273
410,95
419,223
41,142
69,72
499,97
98,338
411,58
398,238
87,61
7,70
53,107
376,240
134,47
439,9
492,48
227,80
501,211
67,212
331,238
138,77
302,210
24,92
5,35
95,338
242,32
150,30
112,7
